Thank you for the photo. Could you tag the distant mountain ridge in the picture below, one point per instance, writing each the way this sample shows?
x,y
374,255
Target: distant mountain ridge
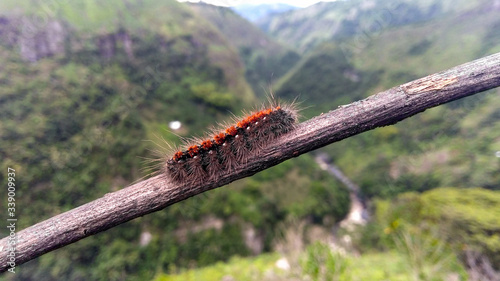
x,y
340,71
303,29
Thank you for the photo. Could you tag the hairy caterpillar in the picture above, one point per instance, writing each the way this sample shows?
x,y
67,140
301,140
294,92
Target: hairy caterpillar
x,y
225,148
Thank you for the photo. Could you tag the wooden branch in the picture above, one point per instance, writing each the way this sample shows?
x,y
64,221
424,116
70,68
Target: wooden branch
x,y
156,193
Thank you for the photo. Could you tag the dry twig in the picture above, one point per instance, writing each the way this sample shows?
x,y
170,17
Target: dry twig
x,y
154,194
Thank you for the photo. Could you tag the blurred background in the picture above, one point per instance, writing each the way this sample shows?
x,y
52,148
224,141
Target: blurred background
x,y
88,88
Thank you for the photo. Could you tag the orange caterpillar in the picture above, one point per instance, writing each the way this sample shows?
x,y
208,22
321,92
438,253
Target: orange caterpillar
x,y
207,158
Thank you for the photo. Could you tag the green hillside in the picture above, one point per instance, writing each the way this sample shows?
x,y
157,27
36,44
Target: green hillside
x,y
106,90
407,226
87,90
304,29
265,60
455,144
452,145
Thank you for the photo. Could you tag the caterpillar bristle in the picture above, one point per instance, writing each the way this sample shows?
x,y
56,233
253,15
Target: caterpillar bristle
x,y
230,145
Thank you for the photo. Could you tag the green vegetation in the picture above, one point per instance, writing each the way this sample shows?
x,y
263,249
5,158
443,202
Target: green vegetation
x,y
74,125
76,114
324,80
244,269
435,227
305,29
467,217
420,237
452,145
318,262
265,60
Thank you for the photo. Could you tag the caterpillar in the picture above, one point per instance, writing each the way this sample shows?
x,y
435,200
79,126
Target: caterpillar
x,y
230,146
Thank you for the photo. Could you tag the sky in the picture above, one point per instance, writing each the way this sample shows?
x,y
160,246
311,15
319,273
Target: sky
x,y
226,3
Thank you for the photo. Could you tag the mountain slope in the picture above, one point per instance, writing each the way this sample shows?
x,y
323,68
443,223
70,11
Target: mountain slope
x,y
452,145
83,85
70,24
87,88
265,60
304,29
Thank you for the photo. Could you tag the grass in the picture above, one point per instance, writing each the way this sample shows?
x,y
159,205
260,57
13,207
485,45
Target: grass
x,y
244,269
376,266
379,266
